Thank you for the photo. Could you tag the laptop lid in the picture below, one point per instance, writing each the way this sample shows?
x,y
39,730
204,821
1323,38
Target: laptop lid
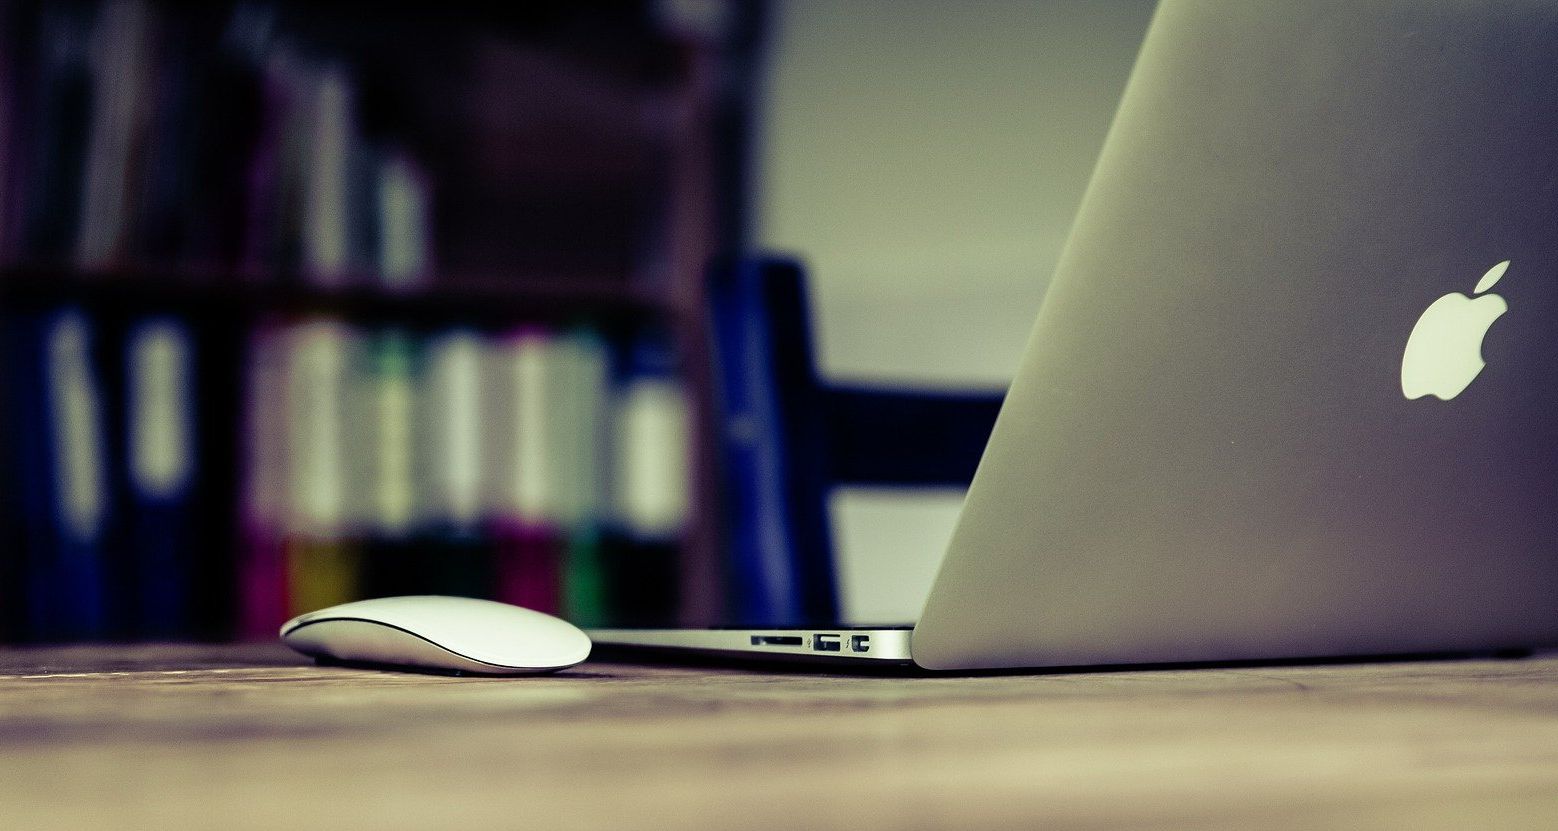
x,y
1208,452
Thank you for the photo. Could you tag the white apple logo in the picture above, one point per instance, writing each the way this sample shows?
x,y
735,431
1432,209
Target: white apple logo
x,y
1444,351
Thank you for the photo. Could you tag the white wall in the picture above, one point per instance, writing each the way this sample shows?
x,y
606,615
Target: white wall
x,y
925,159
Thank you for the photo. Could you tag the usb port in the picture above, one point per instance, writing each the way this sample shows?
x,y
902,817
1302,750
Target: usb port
x,y
776,640
827,643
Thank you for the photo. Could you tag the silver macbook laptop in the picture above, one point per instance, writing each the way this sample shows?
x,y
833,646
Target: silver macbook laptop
x,y
1293,391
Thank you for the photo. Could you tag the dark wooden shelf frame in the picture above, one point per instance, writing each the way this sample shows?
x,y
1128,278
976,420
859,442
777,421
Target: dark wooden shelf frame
x,y
477,302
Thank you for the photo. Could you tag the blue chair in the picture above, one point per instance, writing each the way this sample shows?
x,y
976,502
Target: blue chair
x,y
785,439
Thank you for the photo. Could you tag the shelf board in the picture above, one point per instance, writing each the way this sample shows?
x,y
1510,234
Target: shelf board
x,y
483,302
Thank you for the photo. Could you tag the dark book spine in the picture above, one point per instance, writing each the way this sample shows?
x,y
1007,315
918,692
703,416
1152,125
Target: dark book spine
x,y
65,505
59,104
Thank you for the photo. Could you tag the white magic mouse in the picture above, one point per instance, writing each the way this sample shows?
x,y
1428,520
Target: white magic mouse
x,y
454,634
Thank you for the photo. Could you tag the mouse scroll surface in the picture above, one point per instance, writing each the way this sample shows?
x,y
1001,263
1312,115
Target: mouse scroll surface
x,y
446,633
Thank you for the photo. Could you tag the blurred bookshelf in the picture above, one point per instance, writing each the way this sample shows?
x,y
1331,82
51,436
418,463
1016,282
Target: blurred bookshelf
x,y
304,302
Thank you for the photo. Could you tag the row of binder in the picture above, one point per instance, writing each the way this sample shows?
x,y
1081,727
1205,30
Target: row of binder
x,y
184,480
206,139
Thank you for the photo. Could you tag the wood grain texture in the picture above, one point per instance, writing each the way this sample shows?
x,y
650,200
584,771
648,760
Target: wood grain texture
x,y
180,737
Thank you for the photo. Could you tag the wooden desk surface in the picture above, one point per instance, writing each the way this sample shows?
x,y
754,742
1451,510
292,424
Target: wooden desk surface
x,y
251,737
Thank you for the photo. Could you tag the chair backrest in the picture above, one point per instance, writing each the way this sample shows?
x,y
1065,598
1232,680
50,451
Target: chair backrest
x,y
786,439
